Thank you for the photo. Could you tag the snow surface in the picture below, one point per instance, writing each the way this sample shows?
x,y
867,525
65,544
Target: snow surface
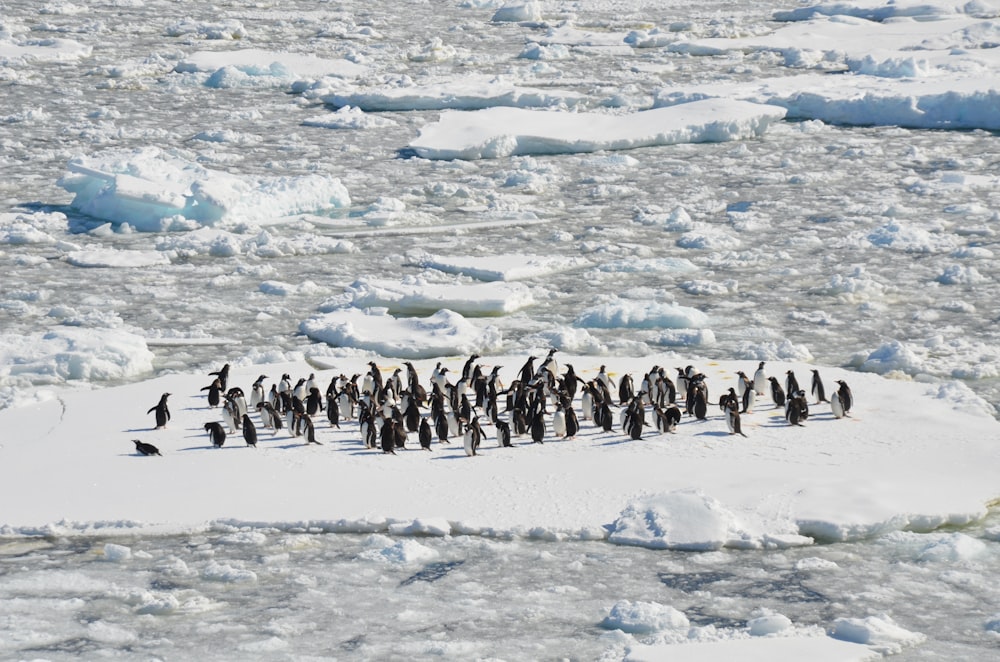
x,y
699,488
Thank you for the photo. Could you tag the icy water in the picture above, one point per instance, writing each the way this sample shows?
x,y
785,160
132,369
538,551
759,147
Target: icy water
x,y
279,595
829,242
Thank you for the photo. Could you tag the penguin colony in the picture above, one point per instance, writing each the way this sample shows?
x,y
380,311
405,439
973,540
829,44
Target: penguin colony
x,y
541,402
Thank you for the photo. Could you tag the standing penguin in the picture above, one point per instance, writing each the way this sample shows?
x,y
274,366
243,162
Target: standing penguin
x,y
473,436
733,421
257,394
777,394
424,434
308,430
503,434
217,433
817,387
214,392
223,376
162,411
760,379
249,431
791,384
537,426
572,423
842,400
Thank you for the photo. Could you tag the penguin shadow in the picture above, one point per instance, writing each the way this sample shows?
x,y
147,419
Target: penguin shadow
x,y
619,442
713,433
136,430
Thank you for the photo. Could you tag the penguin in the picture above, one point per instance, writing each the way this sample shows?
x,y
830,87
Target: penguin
x,y
626,389
299,390
668,418
760,380
777,394
503,434
473,436
733,421
749,399
603,378
162,411
794,407
791,383
572,423
214,392
257,394
217,433
145,449
441,428
249,431
520,421
538,427
559,421
845,398
333,412
314,401
388,437
229,416
235,395
424,434
269,416
308,430
817,387
223,376
412,415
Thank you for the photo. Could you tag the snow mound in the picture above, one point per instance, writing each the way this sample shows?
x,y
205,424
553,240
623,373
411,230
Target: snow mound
x,y
879,632
644,618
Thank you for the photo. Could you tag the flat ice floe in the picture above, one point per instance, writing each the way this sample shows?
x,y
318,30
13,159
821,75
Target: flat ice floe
x,y
500,132
468,93
152,191
258,62
418,296
506,267
937,67
877,471
375,330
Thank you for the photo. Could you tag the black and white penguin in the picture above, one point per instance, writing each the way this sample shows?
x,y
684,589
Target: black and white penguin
x,y
537,426
626,389
223,376
216,432
314,401
817,390
214,392
572,423
257,394
777,394
473,436
145,449
269,416
424,434
249,431
308,430
559,421
760,379
791,384
733,421
503,434
388,437
162,411
796,408
842,400
667,418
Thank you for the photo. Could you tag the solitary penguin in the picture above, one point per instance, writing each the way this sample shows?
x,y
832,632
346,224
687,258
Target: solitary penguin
x,y
162,411
217,433
249,431
146,449
817,387
841,400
